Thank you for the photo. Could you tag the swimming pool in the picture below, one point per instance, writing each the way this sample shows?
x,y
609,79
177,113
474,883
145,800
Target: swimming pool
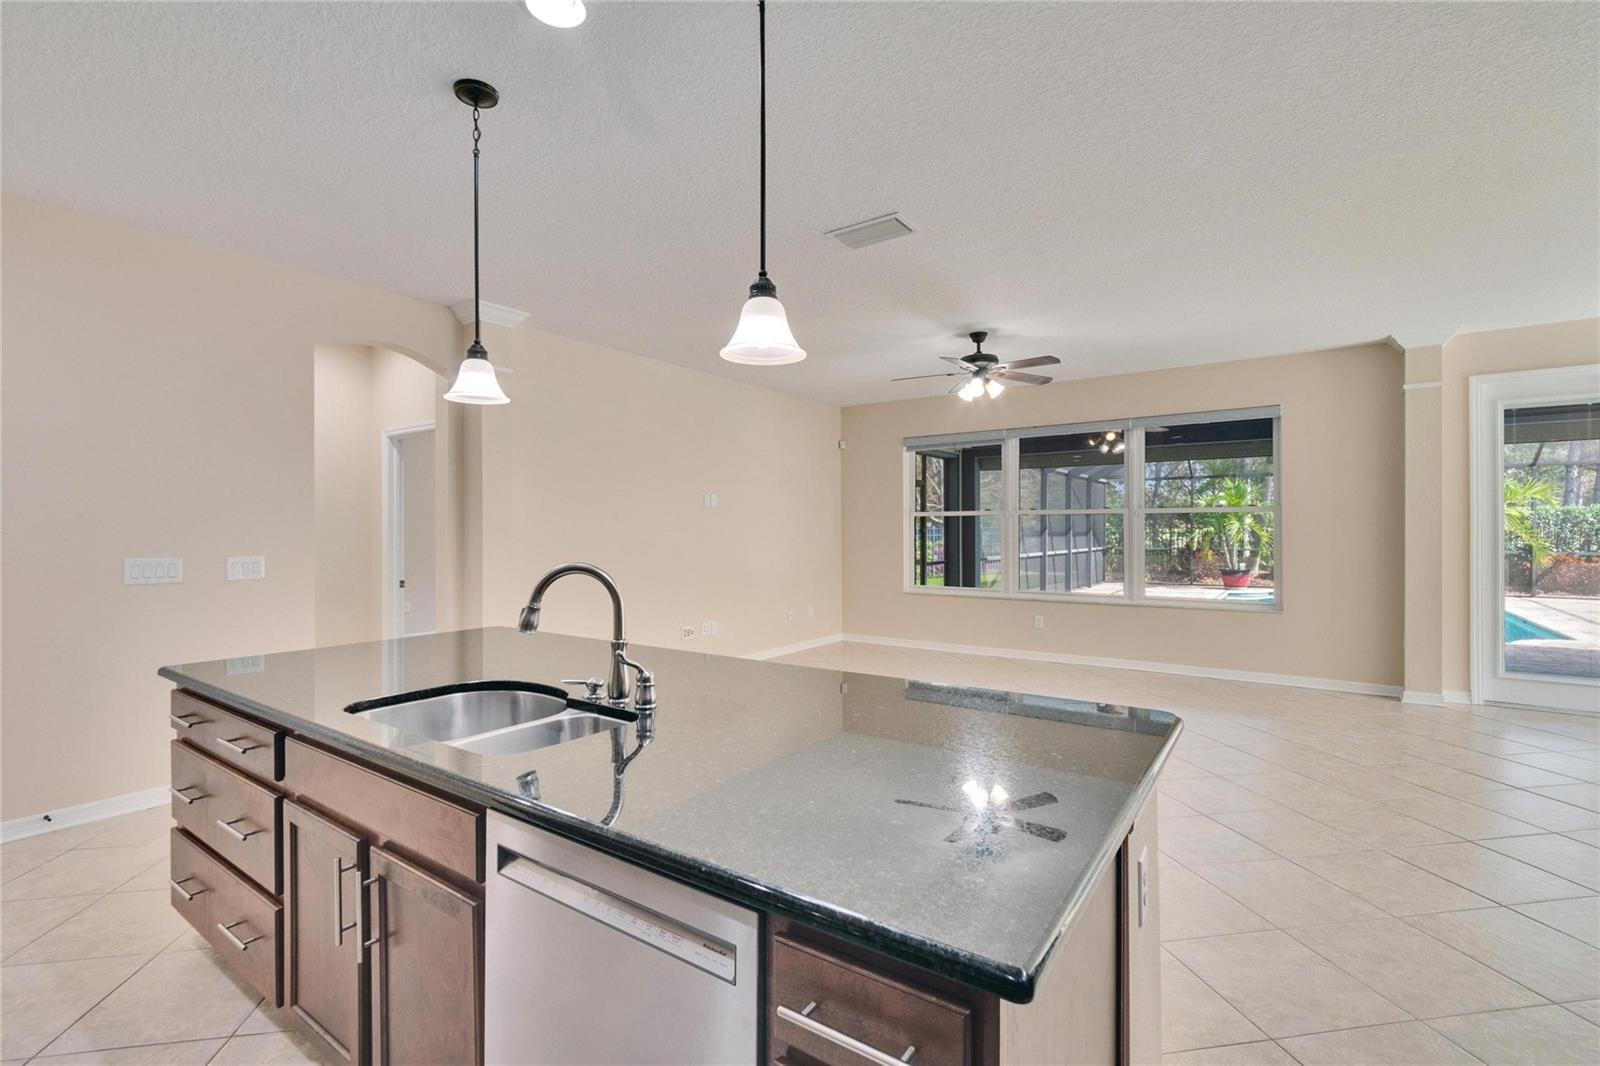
x,y
1250,596
1518,628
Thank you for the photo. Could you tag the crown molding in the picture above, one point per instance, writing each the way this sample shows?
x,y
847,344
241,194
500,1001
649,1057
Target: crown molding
x,y
1423,338
494,314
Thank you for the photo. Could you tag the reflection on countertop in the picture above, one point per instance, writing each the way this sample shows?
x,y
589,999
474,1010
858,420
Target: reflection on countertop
x,y
956,827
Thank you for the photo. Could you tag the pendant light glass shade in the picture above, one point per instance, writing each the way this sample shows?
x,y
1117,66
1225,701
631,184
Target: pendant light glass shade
x,y
475,381
971,389
762,337
562,14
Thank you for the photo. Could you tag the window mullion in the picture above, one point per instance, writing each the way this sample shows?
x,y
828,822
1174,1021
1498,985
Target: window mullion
x,y
1010,527
1133,525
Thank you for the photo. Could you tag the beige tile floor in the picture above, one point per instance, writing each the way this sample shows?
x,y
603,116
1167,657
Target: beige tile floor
x,y
1346,879
96,966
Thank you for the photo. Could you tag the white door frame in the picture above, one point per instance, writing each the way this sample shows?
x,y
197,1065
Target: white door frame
x,y
394,537
1489,396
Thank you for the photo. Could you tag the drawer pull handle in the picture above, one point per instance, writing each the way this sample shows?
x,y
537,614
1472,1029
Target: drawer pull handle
x,y
187,720
242,945
177,887
340,926
237,834
235,747
179,792
804,1020
374,925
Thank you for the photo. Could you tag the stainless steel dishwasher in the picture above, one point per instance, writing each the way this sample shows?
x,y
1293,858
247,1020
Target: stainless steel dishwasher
x,y
591,960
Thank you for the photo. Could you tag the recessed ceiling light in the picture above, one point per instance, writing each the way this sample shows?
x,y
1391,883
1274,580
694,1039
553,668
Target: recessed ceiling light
x,y
562,14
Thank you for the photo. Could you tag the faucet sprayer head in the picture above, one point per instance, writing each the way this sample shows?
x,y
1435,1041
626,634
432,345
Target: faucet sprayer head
x,y
529,622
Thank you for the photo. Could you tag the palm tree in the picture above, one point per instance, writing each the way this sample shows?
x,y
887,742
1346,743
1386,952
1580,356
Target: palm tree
x,y
1522,495
1242,536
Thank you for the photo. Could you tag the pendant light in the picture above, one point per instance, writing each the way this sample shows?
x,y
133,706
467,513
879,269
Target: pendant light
x,y
762,337
475,381
562,14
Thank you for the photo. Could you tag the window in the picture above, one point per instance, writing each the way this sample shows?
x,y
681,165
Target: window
x,y
1176,510
1071,510
957,497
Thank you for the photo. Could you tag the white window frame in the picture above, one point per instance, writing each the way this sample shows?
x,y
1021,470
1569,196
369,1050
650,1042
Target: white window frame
x,y
1489,396
1133,511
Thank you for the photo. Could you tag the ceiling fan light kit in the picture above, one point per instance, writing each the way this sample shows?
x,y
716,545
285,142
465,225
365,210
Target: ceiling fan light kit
x,y
986,374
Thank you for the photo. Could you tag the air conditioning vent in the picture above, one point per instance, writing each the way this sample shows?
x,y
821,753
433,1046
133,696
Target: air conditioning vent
x,y
872,231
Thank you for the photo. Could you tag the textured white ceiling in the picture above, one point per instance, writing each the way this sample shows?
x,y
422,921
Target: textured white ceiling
x,y
1127,186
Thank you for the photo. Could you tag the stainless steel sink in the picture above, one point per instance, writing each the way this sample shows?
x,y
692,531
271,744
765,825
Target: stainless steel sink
x,y
492,718
540,734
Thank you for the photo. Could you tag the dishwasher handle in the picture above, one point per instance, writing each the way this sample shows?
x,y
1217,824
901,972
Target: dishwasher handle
x,y
689,945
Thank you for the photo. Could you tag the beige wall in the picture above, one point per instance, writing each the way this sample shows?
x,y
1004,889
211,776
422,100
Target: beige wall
x,y
359,392
606,457
189,431
186,431
1466,355
1341,544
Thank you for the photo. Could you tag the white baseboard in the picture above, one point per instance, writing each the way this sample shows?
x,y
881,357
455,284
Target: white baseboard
x,y
1426,699
1331,684
791,649
1456,696
83,813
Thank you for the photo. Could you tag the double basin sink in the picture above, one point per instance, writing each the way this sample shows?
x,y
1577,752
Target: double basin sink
x,y
492,717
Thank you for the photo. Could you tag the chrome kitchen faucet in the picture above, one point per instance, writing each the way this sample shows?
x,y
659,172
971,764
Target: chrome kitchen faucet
x,y
617,679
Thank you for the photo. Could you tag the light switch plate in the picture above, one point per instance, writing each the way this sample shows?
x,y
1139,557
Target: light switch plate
x,y
246,567
152,571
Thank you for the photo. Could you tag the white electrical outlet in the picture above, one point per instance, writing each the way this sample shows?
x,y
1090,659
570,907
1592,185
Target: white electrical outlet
x,y
1038,621
811,610
246,567
152,571
711,499
790,613
686,633
1144,882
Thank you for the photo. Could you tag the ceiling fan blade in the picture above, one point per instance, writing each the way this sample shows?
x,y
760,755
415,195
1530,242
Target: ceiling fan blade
x,y
1021,379
1037,360
1038,799
957,362
919,377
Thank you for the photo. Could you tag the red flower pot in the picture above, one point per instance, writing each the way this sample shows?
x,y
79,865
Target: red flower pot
x,y
1235,579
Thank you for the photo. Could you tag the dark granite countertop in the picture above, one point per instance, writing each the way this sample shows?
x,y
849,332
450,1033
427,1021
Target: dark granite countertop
x,y
842,800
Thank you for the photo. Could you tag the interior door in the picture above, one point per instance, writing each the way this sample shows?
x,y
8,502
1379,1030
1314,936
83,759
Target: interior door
x,y
1536,538
324,866
427,972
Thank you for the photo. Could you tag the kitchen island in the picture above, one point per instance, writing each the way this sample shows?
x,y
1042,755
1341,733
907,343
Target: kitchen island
x,y
978,863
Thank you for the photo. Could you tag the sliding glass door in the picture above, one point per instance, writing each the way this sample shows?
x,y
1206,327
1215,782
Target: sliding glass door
x,y
1536,533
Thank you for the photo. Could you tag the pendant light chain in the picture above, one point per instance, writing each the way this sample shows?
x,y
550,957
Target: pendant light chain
x,y
477,312
761,9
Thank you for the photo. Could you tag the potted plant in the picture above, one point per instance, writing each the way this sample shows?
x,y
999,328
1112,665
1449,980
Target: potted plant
x,y
1238,537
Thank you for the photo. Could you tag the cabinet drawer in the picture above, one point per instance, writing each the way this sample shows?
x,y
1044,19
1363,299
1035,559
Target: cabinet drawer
x,y
242,924
252,747
860,1017
228,812
444,834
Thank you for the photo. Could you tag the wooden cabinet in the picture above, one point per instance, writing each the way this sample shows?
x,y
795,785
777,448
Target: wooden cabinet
x,y
427,973
324,961
228,812
836,1010
241,742
240,921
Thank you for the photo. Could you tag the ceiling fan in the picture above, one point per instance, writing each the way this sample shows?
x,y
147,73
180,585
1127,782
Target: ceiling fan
x,y
984,373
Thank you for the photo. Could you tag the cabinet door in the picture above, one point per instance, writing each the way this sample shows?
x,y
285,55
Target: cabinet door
x,y
427,972
324,961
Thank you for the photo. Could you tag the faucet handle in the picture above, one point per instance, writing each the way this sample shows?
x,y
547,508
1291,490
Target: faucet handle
x,y
644,697
592,685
